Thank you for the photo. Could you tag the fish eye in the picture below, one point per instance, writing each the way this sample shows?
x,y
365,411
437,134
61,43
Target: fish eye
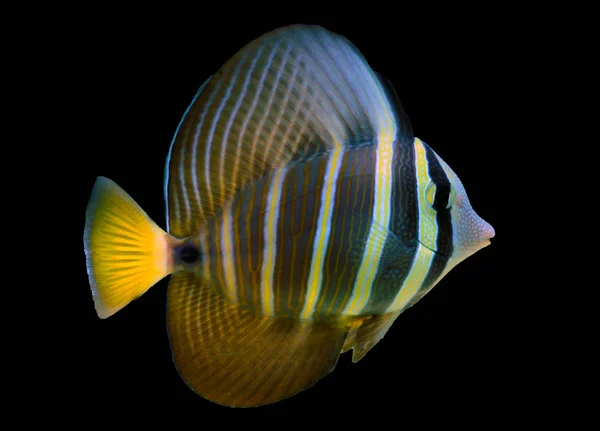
x,y
188,253
440,195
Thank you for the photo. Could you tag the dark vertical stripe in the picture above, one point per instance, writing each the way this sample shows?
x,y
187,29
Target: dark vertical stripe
x,y
177,198
404,221
246,207
297,225
350,223
404,224
256,242
194,173
283,235
238,241
256,222
443,220
213,235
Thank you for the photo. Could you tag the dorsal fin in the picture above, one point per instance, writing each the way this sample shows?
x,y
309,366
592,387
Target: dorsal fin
x,y
404,126
293,92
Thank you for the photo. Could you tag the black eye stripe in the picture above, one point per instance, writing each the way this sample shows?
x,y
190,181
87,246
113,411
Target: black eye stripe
x,y
442,194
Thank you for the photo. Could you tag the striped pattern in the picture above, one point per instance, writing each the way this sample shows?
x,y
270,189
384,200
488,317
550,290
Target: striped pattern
x,y
234,357
270,232
414,280
174,206
286,96
228,254
323,232
303,241
434,232
308,192
380,217
303,235
443,221
404,224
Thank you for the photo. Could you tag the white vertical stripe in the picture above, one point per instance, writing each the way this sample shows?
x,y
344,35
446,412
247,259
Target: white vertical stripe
x,y
283,110
322,234
300,102
228,254
213,126
241,97
193,158
424,256
380,217
242,136
417,273
265,151
270,245
168,162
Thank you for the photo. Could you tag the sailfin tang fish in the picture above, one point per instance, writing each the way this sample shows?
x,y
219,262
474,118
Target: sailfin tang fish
x,y
303,217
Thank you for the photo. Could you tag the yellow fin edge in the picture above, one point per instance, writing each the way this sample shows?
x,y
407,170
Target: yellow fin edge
x,y
126,252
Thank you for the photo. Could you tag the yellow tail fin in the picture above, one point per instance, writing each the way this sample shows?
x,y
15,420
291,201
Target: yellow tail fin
x,y
127,253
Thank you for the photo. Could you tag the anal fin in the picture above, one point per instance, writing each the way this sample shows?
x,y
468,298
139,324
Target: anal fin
x,y
234,357
370,332
350,340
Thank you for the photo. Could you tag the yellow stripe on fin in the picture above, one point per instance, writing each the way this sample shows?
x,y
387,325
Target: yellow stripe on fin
x,y
126,252
237,358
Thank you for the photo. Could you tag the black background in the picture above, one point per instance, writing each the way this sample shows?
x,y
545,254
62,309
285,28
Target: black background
x,y
455,72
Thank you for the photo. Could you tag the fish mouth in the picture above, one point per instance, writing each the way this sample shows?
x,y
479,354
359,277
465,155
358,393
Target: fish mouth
x,y
431,249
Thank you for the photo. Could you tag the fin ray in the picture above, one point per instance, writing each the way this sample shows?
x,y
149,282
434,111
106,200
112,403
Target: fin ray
x,y
405,130
292,92
370,333
234,357
126,252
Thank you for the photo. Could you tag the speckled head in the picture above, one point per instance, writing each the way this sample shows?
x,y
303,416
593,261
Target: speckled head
x,y
470,232
448,225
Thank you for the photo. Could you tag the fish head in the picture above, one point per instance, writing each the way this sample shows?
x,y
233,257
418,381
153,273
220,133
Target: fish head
x,y
470,232
449,210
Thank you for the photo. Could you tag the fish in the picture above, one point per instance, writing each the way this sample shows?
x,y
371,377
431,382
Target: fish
x,y
303,216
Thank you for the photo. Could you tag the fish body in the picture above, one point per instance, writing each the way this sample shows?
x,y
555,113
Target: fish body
x,y
303,218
